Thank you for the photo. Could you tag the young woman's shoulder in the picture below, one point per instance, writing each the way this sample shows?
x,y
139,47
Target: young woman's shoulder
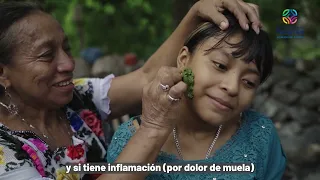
x,y
121,137
260,130
263,137
258,122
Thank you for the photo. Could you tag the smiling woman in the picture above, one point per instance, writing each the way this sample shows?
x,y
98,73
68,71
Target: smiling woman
x,y
48,52
215,125
228,66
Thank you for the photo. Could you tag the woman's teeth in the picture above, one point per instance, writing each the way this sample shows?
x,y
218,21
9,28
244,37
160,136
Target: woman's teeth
x,y
65,83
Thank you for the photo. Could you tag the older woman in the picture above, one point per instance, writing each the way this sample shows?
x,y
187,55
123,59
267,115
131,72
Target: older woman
x,y
224,70
49,120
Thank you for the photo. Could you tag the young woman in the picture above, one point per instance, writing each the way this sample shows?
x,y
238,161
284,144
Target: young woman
x,y
215,125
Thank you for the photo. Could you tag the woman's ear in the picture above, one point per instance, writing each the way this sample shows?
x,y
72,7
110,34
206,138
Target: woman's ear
x,y
183,58
4,81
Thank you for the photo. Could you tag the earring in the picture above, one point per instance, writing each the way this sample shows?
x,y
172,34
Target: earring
x,y
188,78
12,108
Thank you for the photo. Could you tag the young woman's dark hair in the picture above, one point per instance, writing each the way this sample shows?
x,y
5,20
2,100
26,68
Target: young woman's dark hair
x,y
253,47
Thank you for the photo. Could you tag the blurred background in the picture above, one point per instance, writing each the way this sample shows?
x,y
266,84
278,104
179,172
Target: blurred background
x,y
117,36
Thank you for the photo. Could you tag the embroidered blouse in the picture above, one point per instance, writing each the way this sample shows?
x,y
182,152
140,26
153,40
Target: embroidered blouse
x,y
24,155
256,141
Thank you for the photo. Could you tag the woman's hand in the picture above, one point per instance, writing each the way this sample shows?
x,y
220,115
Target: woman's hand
x,y
159,115
160,99
245,12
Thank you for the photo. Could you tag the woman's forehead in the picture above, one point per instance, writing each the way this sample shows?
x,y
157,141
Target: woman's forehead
x,y
39,28
225,50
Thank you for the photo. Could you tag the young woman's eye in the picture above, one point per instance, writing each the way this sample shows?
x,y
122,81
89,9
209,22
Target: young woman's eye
x,y
249,84
220,66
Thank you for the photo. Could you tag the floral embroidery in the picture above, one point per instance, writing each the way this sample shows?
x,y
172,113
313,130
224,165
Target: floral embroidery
x,y
75,121
89,146
57,158
85,87
79,82
75,152
92,121
40,145
249,144
1,156
36,161
62,175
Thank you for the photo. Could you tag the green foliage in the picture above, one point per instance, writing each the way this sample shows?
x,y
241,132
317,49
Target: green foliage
x,y
117,26
141,26
306,49
271,12
188,78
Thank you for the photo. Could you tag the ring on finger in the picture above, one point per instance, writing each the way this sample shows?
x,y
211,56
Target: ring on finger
x,y
172,99
164,87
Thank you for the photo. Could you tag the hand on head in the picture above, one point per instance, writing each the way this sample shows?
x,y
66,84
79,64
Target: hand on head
x,y
160,101
246,13
159,107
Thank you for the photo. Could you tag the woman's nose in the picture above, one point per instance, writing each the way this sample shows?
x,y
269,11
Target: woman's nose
x,y
66,63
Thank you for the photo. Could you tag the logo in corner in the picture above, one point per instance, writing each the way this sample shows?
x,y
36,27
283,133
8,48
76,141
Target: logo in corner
x,y
289,16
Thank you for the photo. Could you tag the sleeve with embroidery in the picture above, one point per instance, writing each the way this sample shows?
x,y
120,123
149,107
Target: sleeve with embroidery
x,y
95,90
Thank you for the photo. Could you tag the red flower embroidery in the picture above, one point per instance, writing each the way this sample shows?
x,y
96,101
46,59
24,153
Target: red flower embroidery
x,y
75,152
92,121
57,158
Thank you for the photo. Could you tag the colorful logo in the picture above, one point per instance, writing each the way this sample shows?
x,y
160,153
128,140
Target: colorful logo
x,y
289,16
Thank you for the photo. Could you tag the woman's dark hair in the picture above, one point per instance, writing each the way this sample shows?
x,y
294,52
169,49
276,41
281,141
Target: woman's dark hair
x,y
10,13
253,46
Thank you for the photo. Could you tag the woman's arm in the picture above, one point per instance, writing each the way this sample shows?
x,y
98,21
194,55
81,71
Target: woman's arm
x,y
159,116
126,91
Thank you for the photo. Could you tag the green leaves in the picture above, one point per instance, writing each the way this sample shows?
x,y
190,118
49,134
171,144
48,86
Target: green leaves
x,y
117,26
109,9
188,78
